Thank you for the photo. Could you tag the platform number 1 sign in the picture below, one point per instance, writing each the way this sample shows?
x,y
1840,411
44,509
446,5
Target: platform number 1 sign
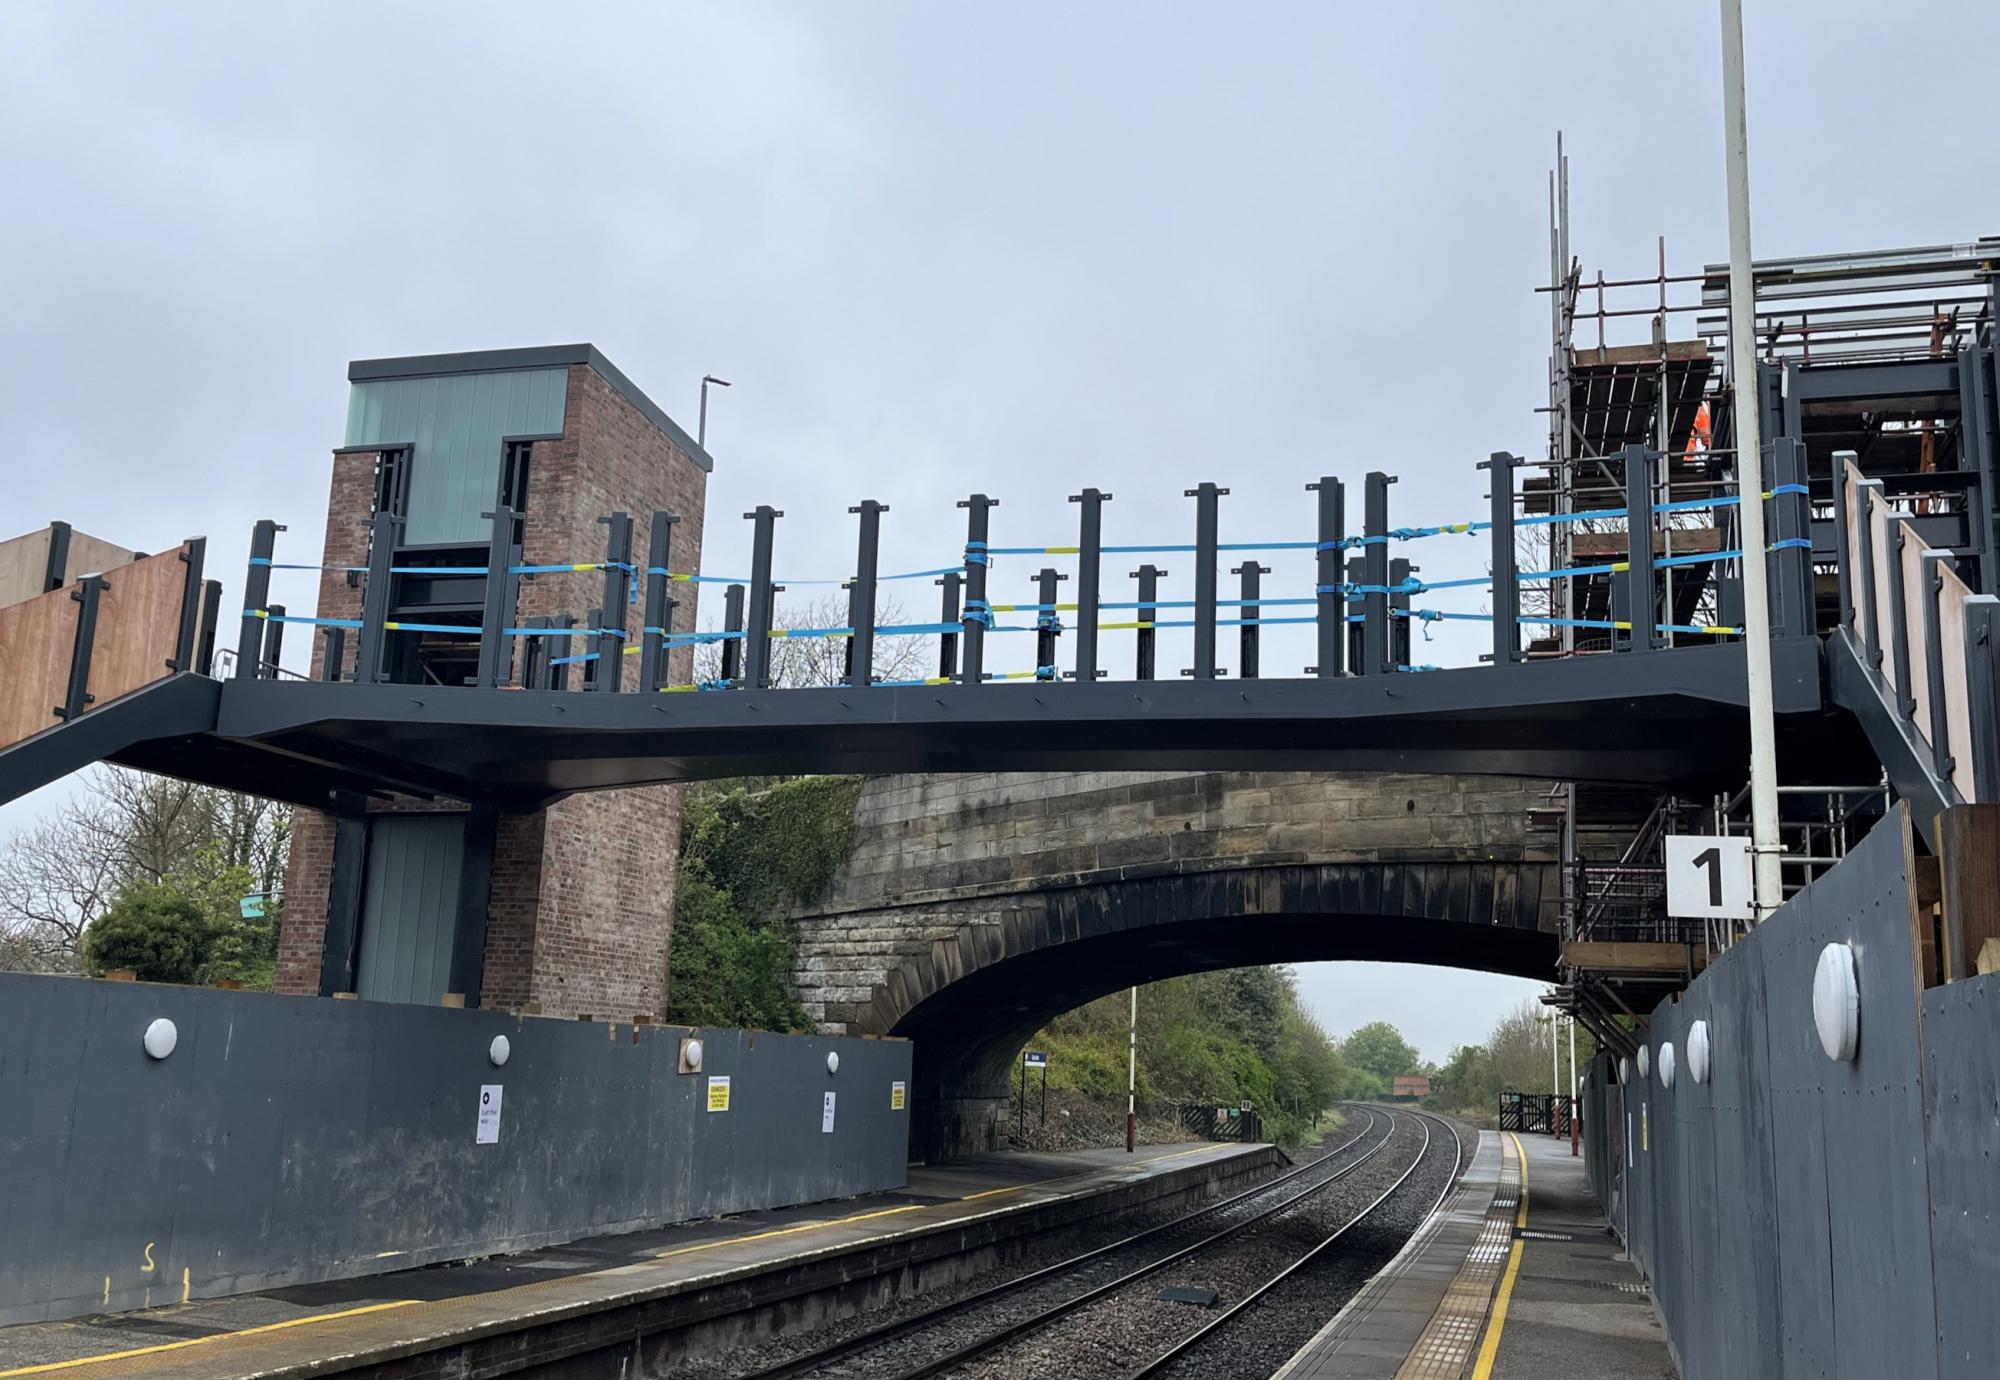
x,y
1708,877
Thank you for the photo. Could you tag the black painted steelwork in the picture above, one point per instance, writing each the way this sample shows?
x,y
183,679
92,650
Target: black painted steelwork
x,y
1146,665
1375,574
1870,621
1089,578
274,643
1899,631
1250,573
611,632
861,595
1642,600
193,553
211,619
1843,539
475,888
535,674
89,593
660,603
978,565
1048,623
55,571
346,880
1939,726
1982,646
497,613
333,653
1206,525
1793,612
732,627
256,594
371,647
1330,607
757,635
948,612
1506,586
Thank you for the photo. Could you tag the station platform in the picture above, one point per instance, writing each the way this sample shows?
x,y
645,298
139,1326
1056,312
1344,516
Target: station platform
x,y
596,1296
1515,1276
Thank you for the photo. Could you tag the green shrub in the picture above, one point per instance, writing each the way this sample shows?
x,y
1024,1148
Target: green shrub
x,y
154,930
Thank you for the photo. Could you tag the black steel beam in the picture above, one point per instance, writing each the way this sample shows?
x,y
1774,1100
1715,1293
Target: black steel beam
x,y
1375,575
1506,586
660,603
1641,601
274,643
493,640
978,610
613,625
1146,663
89,593
55,570
256,592
1089,578
732,646
763,599
1982,655
1330,610
371,642
1863,383
861,594
1250,591
1206,528
949,612
341,943
1793,609
187,640
475,891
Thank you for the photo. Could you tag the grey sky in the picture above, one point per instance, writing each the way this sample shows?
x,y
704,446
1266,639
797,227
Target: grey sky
x,y
1019,250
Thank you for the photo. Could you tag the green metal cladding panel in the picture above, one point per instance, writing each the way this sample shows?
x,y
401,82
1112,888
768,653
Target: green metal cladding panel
x,y
455,422
409,907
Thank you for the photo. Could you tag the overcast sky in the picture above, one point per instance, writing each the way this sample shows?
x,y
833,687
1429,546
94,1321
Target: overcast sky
x,y
938,248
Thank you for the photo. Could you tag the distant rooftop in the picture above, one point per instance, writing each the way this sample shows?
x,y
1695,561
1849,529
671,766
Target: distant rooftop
x,y
532,357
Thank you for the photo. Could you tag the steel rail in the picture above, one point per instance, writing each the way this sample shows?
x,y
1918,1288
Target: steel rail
x,y
1222,1319
839,1351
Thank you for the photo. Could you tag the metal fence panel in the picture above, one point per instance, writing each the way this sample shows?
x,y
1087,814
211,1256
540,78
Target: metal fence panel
x,y
288,1140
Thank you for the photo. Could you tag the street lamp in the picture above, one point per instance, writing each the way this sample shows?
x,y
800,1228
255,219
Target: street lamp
x,y
701,426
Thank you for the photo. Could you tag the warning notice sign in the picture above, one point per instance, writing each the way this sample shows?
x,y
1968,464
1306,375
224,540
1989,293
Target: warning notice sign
x,y
718,1092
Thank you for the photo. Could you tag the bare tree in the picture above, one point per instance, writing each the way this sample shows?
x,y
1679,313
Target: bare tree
x,y
58,876
798,662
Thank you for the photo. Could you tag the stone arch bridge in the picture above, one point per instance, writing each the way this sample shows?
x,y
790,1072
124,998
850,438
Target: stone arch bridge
x,y
973,908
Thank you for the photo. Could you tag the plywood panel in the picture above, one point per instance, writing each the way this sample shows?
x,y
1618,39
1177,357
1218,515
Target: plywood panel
x,y
24,566
1957,678
90,555
37,637
1916,627
138,625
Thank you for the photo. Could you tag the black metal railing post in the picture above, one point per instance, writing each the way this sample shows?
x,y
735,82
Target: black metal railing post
x,y
1842,538
978,564
372,642
757,635
1982,693
1089,578
211,616
732,622
949,612
1939,727
861,594
1792,613
1506,583
1899,630
274,643
55,568
1207,521
333,651
256,594
1870,621
1148,576
1048,623
660,602
1400,632
494,643
194,552
1251,575
1641,602
557,676
1329,565
89,593
1375,574
612,632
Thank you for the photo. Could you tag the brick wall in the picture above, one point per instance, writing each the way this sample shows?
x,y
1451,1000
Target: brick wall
x,y
580,918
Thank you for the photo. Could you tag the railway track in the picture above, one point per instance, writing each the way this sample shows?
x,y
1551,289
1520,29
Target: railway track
x,y
988,1322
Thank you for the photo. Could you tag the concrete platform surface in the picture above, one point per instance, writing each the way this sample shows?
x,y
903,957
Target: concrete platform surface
x,y
298,1330
1515,1276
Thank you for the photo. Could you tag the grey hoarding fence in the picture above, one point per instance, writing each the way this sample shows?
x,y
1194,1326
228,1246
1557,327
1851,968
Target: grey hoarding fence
x,y
286,1140
1799,1214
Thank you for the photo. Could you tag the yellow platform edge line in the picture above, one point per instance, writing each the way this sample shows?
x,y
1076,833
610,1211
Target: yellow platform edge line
x,y
1489,1349
48,1366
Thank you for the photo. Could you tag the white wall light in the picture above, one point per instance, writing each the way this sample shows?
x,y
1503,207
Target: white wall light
x,y
833,1061
690,1056
499,1050
1837,1002
1645,1062
1624,1071
1698,1051
1667,1065
161,1037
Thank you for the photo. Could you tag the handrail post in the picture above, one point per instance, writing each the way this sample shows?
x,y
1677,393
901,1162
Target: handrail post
x,y
1375,574
493,619
274,643
1402,636
90,594
1982,693
1089,578
1206,524
211,615
612,629
194,552
333,652
1899,622
1641,602
1329,568
861,595
949,612
1048,623
1148,577
1252,590
660,603
757,636
1865,493
256,594
978,611
1843,540
732,622
1506,584
1939,727
372,643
